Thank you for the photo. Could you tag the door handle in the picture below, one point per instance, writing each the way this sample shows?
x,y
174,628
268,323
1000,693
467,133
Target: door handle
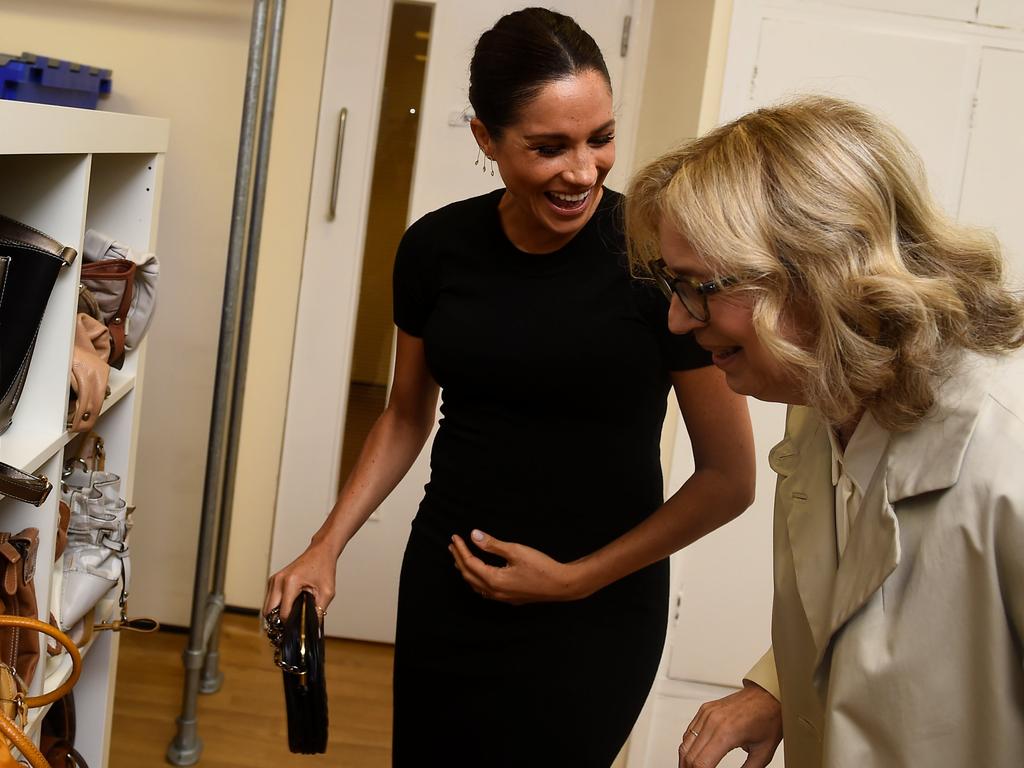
x,y
338,151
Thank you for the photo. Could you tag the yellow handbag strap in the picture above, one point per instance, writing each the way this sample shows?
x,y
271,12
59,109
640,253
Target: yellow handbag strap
x,y
76,658
15,736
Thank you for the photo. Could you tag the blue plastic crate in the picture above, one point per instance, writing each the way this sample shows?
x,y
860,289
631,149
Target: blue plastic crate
x,y
46,80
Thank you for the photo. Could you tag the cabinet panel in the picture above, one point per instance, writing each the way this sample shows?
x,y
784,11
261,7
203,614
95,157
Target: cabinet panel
x,y
1002,13
921,84
961,10
995,160
725,594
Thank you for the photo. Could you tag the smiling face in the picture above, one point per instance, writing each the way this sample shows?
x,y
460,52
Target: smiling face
x,y
553,161
729,334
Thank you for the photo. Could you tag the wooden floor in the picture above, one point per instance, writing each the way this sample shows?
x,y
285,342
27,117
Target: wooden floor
x,y
243,725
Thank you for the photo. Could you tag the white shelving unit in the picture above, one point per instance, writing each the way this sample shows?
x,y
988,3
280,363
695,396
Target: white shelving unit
x,y
66,170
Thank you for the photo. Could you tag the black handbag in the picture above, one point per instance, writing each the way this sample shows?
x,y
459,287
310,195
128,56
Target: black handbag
x,y
29,264
299,652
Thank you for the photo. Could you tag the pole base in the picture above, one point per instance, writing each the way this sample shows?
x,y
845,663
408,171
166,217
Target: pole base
x,y
187,746
211,684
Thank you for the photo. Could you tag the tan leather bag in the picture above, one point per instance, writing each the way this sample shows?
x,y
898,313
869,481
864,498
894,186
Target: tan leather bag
x,y
90,372
13,718
14,703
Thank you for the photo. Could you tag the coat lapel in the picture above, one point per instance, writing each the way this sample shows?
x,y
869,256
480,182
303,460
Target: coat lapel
x,y
806,494
871,555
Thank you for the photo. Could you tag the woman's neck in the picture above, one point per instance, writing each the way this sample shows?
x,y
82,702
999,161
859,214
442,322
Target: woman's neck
x,y
523,231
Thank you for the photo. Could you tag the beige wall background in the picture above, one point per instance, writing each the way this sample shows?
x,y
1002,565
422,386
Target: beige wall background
x,y
185,60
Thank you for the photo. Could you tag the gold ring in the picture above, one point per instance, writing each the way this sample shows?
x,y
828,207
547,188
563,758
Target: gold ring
x,y
695,733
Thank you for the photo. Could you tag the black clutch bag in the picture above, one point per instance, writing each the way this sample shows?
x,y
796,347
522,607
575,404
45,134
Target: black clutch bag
x,y
299,652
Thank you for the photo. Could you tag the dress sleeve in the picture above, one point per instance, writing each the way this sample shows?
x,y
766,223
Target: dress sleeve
x,y
681,353
411,292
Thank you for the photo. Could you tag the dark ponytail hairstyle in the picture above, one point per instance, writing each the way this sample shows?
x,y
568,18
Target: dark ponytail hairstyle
x,y
518,56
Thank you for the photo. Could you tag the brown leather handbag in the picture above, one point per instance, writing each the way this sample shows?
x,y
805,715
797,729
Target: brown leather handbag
x,y
57,735
19,649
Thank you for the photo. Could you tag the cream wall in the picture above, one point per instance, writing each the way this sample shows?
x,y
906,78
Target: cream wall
x,y
185,60
685,67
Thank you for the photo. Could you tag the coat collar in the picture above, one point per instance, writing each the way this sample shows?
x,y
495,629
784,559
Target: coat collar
x,y
927,458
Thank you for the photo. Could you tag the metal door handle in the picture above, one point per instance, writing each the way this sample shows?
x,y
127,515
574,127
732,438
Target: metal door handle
x,y
338,150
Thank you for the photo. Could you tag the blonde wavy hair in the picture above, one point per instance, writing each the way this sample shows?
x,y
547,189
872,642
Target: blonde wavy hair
x,y
816,204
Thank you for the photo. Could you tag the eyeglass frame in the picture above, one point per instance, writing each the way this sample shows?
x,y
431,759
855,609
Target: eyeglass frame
x,y
669,284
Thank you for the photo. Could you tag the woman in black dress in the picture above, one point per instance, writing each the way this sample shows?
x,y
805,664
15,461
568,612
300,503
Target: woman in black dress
x,y
540,645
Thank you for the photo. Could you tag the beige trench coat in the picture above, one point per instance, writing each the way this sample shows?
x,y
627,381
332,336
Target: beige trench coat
x,y
907,652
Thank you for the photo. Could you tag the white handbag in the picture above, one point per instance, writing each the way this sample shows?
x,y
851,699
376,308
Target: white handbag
x,y
100,247
96,559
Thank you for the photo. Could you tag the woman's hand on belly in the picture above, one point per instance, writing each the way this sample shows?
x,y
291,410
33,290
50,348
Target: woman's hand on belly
x,y
528,576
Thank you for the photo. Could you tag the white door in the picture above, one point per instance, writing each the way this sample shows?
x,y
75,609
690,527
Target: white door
x,y
366,598
354,70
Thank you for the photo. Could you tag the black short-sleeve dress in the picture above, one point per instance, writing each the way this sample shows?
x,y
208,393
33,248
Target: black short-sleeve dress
x,y
554,371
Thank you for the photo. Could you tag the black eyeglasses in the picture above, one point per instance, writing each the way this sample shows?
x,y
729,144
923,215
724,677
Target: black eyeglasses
x,y
691,292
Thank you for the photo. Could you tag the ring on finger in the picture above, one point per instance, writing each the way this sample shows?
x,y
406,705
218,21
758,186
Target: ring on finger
x,y
695,733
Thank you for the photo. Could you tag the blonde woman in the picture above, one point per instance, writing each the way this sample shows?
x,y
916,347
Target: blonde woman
x,y
801,247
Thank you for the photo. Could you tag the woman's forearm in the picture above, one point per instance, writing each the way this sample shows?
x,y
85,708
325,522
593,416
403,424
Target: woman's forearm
x,y
390,449
709,499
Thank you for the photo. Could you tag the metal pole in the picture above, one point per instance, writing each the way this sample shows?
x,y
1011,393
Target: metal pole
x,y
212,677
186,746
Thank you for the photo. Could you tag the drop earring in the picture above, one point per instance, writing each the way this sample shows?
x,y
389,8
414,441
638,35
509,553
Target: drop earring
x,y
478,150
492,165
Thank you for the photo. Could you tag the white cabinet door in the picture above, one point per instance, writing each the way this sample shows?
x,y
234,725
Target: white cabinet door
x,y
722,618
992,192
1001,13
921,83
329,291
961,10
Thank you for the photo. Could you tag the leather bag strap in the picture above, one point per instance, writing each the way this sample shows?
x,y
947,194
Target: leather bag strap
x,y
36,625
23,486
15,736
112,270
15,233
